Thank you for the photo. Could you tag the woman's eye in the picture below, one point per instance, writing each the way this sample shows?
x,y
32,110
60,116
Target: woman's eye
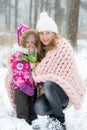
x,y
48,32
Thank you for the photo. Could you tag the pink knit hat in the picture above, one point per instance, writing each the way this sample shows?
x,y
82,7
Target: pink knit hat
x,y
21,29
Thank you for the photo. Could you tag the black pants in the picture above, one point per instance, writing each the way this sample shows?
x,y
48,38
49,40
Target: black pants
x,y
52,102
25,105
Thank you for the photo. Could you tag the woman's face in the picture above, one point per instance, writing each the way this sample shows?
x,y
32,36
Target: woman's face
x,y
46,37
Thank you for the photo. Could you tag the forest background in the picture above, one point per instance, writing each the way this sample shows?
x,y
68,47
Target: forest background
x,y
70,16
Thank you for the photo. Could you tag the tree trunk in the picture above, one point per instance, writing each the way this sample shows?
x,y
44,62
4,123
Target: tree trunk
x,y
72,20
41,5
6,18
16,13
8,14
35,12
58,14
47,5
30,13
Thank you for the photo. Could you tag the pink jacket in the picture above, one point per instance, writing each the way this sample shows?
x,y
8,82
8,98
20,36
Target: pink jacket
x,y
59,66
19,75
22,76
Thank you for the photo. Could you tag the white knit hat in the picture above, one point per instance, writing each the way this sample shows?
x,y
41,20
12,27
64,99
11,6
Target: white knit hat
x,y
46,23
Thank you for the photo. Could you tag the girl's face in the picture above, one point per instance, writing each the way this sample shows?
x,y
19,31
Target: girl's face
x,y
46,37
30,41
29,45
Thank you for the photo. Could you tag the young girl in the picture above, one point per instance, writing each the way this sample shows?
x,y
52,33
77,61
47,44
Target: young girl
x,y
22,62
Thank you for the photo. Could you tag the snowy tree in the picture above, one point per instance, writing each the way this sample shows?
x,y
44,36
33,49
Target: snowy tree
x,y
72,20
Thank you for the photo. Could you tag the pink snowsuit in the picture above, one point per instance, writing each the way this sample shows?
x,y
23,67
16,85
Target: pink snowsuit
x,y
22,76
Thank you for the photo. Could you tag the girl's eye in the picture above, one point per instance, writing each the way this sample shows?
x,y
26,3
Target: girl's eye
x,y
41,33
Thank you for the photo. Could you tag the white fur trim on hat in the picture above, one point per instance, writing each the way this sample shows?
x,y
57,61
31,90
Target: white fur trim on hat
x,y
46,23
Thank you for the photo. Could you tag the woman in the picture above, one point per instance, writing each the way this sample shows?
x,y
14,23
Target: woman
x,y
57,71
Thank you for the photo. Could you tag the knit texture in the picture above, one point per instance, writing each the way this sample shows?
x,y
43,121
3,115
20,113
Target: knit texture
x,y
59,66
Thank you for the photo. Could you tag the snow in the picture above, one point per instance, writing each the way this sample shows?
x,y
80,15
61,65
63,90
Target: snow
x,y
75,120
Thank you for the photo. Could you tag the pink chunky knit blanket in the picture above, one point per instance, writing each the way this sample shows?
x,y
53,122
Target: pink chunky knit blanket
x,y
59,66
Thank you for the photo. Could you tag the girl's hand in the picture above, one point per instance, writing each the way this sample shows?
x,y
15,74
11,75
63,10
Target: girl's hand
x,y
32,65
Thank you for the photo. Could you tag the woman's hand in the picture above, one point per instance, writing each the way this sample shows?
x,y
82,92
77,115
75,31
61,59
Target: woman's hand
x,y
40,90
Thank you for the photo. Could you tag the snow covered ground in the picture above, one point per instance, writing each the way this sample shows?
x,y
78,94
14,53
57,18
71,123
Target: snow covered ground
x,y
75,120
